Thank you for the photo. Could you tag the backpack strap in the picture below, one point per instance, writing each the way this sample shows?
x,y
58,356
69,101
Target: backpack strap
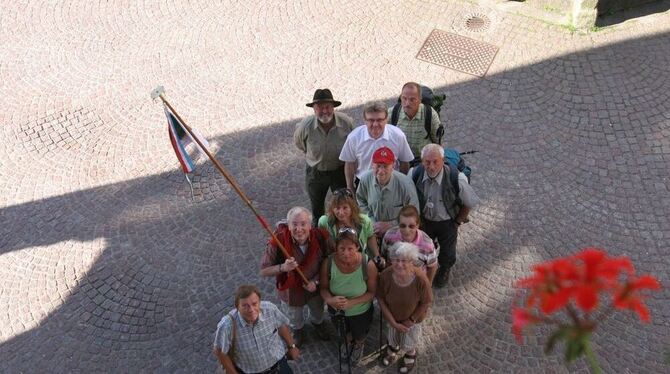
x,y
427,121
453,178
233,327
364,266
395,114
417,172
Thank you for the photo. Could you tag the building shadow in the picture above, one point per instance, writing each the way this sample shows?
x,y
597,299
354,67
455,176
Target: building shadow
x,y
607,17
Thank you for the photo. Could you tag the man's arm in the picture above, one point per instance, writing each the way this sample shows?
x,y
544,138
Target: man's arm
x,y
350,173
285,334
299,136
225,361
403,167
362,195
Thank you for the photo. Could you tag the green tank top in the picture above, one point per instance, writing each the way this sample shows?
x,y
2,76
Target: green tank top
x,y
350,286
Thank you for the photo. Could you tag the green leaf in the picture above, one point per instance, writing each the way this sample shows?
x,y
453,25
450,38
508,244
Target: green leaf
x,y
574,349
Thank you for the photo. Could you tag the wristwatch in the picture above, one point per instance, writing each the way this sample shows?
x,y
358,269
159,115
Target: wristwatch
x,y
292,346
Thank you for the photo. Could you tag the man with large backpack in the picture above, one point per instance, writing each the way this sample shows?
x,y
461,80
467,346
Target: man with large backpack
x,y
414,115
445,199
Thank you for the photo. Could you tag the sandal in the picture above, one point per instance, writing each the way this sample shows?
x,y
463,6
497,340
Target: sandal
x,y
407,363
391,355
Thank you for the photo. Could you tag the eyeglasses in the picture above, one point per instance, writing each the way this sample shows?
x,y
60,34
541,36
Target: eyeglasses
x,y
345,230
404,226
343,192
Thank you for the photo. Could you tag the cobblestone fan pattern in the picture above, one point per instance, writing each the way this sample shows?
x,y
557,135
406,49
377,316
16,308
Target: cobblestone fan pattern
x,y
107,265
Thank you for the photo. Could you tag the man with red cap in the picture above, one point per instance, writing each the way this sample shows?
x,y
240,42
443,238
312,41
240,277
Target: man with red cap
x,y
382,191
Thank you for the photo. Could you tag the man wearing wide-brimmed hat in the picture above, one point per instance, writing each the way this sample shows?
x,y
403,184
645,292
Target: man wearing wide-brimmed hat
x,y
321,137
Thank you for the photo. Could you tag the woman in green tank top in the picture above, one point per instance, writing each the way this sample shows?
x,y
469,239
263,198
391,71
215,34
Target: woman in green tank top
x,y
348,285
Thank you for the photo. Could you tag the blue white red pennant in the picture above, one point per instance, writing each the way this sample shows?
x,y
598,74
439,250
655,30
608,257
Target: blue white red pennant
x,y
180,139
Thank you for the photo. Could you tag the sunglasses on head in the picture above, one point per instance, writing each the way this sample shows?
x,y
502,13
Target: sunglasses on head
x,y
343,192
345,230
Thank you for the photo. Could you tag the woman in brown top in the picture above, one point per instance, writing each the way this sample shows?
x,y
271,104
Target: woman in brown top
x,y
404,295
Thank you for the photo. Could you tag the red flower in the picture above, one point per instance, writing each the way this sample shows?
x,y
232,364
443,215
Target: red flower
x,y
520,319
629,297
598,272
551,285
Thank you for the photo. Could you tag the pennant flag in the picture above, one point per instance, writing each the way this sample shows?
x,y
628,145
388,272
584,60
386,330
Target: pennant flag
x,y
180,139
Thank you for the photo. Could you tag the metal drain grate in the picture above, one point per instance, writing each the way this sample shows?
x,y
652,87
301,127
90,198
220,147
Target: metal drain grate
x,y
477,22
457,52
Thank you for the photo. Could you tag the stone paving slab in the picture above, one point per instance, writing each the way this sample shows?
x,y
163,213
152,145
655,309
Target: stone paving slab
x,y
106,265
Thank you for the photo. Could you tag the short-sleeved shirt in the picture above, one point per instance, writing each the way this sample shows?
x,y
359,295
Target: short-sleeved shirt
x,y
427,253
414,128
412,300
364,233
321,149
383,203
359,147
257,346
435,209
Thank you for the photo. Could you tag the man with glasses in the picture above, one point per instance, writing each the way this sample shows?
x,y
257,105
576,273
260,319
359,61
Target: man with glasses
x,y
446,199
321,137
365,140
382,192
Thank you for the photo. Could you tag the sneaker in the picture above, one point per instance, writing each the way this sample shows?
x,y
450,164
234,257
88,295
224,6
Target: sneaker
x,y
298,337
322,331
441,278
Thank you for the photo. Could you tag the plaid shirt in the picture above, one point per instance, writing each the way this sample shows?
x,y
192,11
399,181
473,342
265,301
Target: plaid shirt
x,y
414,128
257,346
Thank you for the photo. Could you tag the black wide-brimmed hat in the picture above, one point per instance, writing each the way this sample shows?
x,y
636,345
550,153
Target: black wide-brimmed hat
x,y
323,96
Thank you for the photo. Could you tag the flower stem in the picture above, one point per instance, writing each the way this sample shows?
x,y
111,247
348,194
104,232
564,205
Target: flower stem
x,y
591,359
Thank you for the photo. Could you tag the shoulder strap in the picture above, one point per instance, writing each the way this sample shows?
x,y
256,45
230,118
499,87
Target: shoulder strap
x,y
330,265
427,121
233,335
364,266
417,173
395,114
453,178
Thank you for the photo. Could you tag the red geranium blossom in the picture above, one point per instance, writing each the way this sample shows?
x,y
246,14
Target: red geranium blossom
x,y
629,297
521,318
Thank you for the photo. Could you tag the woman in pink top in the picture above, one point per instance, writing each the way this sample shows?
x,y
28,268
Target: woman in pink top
x,y
408,231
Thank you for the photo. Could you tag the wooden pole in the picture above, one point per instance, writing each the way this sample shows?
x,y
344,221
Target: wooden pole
x,y
234,184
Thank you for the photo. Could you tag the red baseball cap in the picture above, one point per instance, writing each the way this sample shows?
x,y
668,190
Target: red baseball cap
x,y
383,155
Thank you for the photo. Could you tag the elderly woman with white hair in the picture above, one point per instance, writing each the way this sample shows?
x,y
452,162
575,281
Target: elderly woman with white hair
x,y
404,295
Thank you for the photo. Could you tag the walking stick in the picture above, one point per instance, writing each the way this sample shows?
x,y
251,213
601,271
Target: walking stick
x,y
159,92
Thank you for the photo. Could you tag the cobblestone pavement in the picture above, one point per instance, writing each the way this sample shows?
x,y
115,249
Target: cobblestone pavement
x,y
107,265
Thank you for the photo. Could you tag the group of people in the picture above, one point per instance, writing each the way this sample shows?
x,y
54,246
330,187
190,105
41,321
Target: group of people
x,y
389,233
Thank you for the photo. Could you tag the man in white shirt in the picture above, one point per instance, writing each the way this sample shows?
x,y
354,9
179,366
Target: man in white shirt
x,y
363,141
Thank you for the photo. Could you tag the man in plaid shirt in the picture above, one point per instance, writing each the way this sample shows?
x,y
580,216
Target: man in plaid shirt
x,y
254,337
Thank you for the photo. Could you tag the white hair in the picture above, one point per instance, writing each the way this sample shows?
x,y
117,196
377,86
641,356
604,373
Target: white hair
x,y
432,148
403,250
297,210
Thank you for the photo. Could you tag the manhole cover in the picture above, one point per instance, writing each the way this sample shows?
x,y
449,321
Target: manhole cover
x,y
477,22
457,52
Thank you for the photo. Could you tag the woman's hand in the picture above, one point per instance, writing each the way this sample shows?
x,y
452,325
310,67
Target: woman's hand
x,y
338,302
400,327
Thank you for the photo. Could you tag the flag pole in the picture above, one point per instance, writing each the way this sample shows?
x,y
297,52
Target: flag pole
x,y
159,93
